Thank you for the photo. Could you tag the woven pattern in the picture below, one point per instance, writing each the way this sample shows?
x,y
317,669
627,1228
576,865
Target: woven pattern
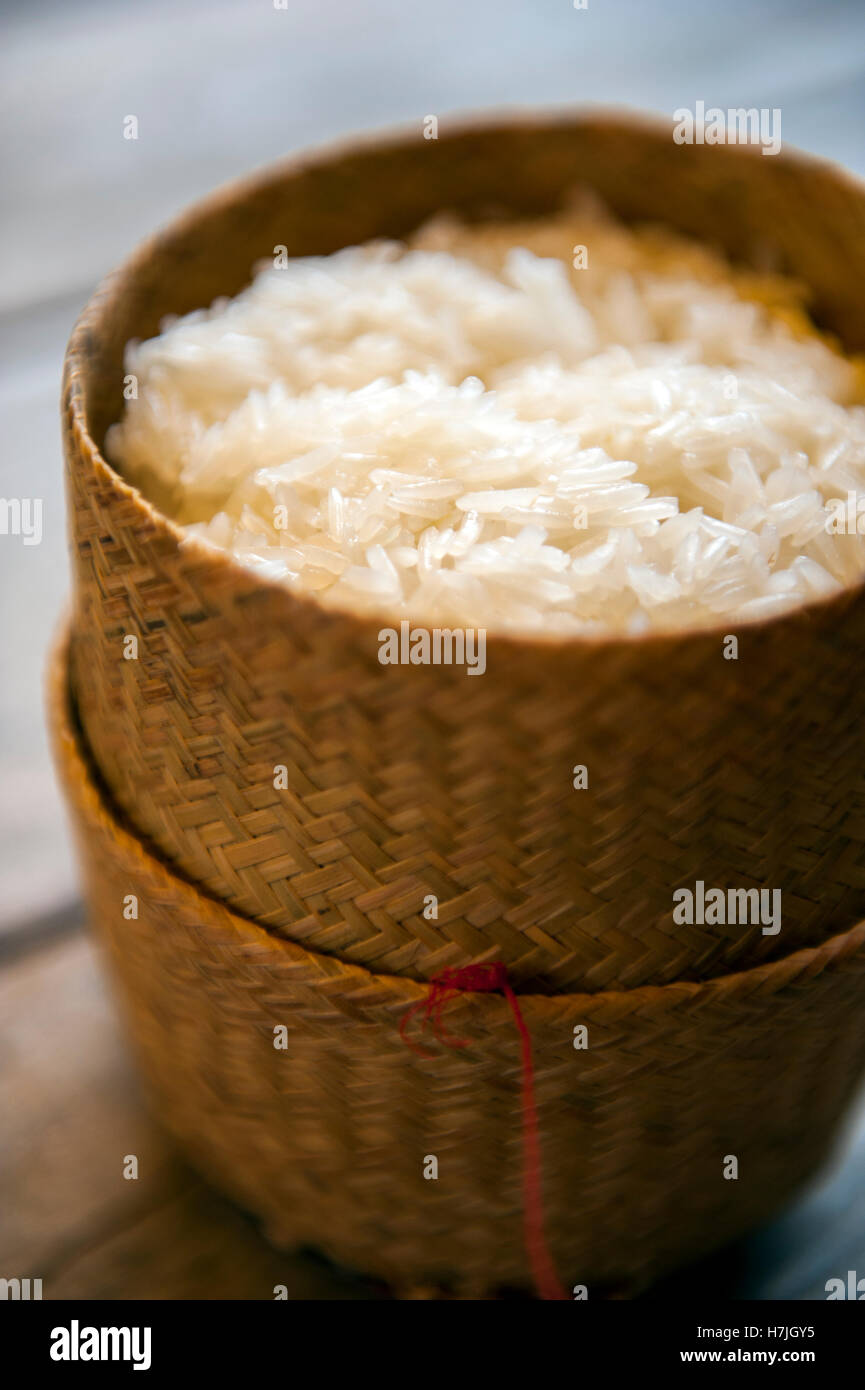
x,y
325,1141
409,782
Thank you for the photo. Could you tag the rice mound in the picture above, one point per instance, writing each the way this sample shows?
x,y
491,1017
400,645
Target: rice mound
x,y
468,429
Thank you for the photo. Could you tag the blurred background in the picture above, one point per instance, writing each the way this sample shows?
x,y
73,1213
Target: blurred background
x,y
219,88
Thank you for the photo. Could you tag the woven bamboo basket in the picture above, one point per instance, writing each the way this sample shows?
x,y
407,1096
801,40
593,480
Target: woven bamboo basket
x,y
326,1140
406,782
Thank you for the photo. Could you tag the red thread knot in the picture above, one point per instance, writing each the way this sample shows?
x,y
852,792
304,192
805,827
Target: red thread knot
x,y
474,979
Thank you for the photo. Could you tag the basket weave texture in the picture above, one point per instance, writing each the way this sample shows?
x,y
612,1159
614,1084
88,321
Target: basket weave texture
x,y
325,1141
409,782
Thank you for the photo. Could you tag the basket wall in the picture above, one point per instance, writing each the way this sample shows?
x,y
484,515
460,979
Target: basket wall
x,y
325,1141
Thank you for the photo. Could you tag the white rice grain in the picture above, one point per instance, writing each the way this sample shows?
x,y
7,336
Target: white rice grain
x,y
467,430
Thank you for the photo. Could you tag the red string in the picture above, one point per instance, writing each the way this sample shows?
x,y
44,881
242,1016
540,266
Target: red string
x,y
488,979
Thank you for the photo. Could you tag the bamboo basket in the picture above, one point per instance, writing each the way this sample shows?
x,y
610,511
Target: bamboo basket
x,y
325,1141
406,782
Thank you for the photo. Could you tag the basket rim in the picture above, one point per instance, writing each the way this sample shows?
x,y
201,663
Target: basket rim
x,y
80,782
75,396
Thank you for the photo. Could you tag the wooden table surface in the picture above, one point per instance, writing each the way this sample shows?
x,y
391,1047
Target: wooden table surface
x,y
219,89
